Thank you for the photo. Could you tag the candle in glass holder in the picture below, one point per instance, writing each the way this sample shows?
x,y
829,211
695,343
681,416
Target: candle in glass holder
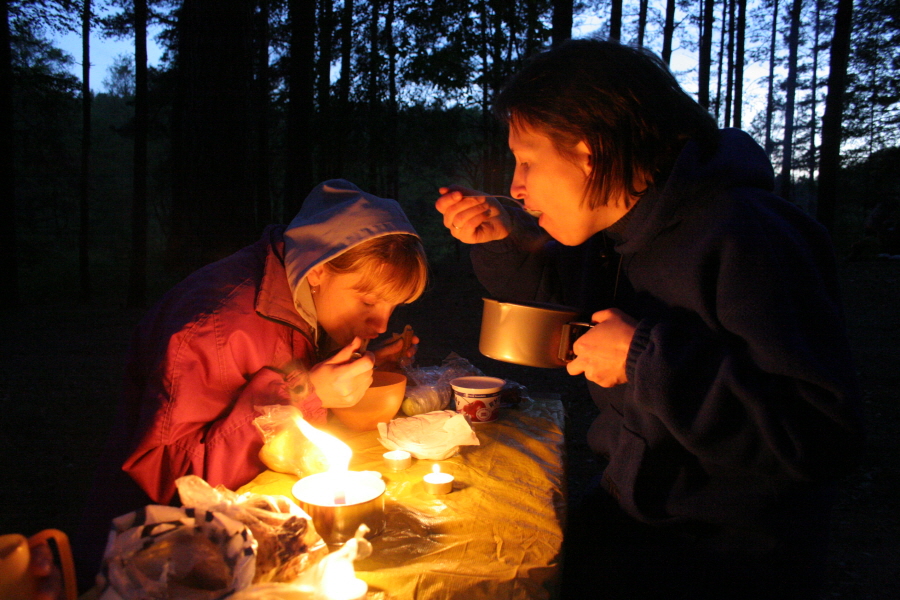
x,y
438,482
397,460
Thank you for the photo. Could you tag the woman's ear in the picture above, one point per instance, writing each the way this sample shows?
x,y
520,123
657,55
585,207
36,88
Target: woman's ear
x,y
314,275
583,158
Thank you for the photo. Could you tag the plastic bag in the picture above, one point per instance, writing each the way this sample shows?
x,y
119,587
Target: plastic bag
x,y
287,542
286,449
332,577
432,390
161,552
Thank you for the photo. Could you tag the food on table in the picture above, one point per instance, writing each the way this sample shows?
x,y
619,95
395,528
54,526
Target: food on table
x,y
429,390
186,564
287,542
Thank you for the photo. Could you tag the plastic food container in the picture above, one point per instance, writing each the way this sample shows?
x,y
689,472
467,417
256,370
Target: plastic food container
x,y
477,397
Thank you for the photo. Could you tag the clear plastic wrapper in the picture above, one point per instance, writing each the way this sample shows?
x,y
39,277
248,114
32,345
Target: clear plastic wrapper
x,y
286,449
332,577
432,391
287,542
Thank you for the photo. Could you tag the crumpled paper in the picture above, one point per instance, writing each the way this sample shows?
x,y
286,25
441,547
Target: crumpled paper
x,y
435,435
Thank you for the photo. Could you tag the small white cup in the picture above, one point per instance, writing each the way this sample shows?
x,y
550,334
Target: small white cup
x,y
477,397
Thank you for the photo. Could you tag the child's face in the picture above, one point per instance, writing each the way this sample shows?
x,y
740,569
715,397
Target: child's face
x,y
344,311
555,185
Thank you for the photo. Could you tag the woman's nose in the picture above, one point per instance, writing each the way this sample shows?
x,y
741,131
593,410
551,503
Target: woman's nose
x,y
516,187
379,319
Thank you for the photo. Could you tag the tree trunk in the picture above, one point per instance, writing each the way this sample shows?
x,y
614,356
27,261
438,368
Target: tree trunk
x,y
373,120
343,108
705,58
137,276
668,31
615,20
830,154
9,268
84,187
265,213
486,120
723,31
729,79
642,21
392,187
814,94
299,178
326,142
770,95
532,22
787,152
739,63
561,24
213,213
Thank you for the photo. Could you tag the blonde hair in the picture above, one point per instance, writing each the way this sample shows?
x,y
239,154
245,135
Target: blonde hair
x,y
392,266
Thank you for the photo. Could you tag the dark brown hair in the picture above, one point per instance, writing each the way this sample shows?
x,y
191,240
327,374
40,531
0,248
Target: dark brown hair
x,y
622,101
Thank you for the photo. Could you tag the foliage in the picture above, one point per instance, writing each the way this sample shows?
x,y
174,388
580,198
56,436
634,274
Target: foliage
x,y
872,112
416,112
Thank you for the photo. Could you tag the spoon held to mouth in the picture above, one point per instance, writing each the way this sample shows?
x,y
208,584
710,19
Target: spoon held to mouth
x,y
508,200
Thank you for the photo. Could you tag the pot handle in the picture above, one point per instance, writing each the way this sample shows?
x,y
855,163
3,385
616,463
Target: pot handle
x,y
571,332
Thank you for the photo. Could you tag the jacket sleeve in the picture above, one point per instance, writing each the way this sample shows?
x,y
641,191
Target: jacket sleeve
x,y
520,267
530,266
760,378
197,414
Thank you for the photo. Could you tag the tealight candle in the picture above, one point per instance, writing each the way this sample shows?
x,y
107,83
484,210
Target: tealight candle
x,y
397,460
438,482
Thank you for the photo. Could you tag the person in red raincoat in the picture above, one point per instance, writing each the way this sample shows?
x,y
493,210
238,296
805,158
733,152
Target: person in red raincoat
x,y
299,305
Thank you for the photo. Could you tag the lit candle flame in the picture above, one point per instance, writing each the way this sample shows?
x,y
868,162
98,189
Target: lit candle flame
x,y
436,468
336,452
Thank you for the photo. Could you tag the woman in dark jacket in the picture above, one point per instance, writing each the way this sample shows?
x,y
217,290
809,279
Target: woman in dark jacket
x,y
718,358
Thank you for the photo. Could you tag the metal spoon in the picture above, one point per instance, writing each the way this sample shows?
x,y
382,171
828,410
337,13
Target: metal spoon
x,y
515,202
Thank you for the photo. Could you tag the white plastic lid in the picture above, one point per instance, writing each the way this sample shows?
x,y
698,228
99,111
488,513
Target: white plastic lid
x,y
474,383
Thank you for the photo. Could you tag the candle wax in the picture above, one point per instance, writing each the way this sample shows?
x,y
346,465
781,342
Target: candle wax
x,y
438,482
337,489
397,460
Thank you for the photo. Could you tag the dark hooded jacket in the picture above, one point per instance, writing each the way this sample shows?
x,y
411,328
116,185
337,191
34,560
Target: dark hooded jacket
x,y
741,405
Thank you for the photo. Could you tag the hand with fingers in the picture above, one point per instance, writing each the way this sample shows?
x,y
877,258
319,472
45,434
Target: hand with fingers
x,y
473,217
341,380
601,353
398,352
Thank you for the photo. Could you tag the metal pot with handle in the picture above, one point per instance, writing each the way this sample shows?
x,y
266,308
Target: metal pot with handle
x,y
530,334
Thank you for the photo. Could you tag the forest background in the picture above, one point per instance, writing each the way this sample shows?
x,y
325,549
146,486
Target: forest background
x,y
108,198
253,102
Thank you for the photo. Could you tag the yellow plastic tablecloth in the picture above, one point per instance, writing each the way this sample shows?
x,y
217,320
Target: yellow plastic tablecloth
x,y
498,535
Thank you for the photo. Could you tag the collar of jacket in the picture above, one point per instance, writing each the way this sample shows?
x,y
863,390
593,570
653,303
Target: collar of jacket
x,y
274,299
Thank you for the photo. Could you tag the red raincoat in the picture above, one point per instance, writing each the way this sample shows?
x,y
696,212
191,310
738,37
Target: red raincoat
x,y
211,350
